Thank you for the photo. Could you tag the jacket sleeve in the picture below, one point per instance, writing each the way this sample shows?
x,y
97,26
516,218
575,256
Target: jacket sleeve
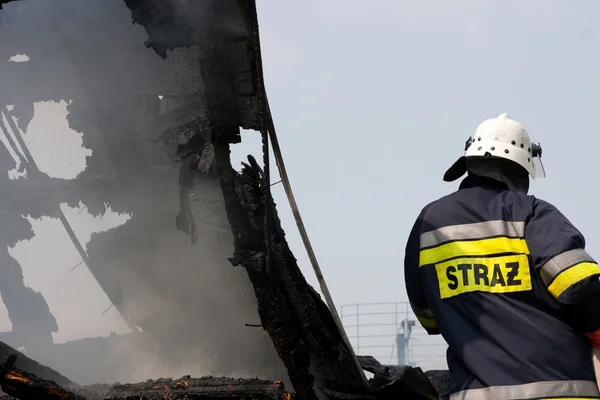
x,y
570,274
412,278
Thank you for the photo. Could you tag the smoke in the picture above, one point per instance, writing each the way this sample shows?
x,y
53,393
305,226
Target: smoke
x,y
192,306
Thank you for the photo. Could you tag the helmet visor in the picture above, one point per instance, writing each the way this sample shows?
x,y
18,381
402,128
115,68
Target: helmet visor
x,y
538,167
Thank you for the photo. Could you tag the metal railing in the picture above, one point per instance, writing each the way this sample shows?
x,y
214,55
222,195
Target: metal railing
x,y
378,329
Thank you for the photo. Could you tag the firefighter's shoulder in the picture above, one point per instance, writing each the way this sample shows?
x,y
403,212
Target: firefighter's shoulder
x,y
545,211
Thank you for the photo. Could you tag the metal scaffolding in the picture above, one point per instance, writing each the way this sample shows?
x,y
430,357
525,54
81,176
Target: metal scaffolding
x,y
388,332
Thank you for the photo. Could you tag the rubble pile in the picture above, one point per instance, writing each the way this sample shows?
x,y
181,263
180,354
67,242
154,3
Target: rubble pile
x,y
388,383
18,384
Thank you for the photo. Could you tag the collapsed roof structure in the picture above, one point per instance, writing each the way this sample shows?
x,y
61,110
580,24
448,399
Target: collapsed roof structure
x,y
160,102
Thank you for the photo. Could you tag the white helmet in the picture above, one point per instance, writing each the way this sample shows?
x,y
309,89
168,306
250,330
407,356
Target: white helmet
x,y
500,137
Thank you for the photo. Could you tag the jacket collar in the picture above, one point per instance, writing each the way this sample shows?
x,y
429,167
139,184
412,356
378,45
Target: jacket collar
x,y
475,180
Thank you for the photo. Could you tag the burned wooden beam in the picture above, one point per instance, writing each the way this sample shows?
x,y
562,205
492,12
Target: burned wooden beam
x,y
25,386
299,323
301,326
24,363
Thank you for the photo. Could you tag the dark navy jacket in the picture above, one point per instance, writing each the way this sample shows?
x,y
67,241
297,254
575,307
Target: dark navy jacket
x,y
505,279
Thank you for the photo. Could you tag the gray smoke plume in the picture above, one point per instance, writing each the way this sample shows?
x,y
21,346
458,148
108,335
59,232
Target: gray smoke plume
x,y
130,105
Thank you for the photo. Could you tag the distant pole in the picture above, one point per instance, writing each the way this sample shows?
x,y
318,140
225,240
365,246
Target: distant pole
x,y
402,340
408,331
401,348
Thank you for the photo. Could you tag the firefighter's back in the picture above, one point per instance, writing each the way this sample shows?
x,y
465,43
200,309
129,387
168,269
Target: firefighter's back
x,y
505,329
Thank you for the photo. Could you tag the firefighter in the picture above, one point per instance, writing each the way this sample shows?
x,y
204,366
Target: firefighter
x,y
505,278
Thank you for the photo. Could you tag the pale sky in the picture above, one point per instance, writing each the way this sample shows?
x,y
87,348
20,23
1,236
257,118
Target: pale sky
x,y
374,100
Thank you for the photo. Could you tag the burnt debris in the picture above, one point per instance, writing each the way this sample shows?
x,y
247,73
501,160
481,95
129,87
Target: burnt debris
x,y
15,359
145,119
388,383
24,385
19,384
213,87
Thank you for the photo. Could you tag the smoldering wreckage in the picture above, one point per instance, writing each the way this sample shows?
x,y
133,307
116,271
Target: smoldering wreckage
x,y
206,63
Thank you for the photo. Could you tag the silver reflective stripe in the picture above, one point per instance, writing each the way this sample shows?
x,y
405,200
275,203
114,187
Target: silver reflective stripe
x,y
536,390
479,230
563,261
423,313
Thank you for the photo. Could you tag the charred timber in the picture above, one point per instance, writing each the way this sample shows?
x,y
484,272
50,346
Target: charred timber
x,y
229,75
388,383
304,333
22,362
203,388
392,382
23,386
299,323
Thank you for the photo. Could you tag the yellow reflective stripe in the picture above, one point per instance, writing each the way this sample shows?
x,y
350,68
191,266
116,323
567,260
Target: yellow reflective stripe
x,y
428,323
571,276
481,247
563,261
